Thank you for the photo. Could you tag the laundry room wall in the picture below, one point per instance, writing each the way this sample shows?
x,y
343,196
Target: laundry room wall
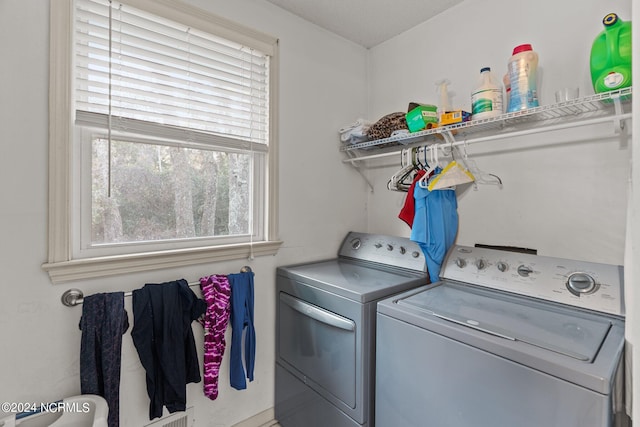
x,y
632,253
321,89
564,193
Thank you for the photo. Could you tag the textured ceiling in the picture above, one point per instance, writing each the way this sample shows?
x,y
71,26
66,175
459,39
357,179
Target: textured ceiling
x,y
366,22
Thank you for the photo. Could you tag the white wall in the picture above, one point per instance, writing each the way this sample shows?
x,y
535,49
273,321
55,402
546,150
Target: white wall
x,y
632,255
564,193
321,89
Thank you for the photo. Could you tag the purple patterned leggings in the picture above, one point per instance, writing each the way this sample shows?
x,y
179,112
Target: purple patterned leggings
x,y
216,292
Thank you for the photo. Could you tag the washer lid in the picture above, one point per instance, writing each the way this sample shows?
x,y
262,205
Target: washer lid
x,y
359,281
569,332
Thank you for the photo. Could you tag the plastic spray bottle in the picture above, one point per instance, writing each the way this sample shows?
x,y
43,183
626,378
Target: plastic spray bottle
x,y
444,103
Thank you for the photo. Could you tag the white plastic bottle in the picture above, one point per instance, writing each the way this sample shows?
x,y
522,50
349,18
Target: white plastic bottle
x,y
523,66
486,99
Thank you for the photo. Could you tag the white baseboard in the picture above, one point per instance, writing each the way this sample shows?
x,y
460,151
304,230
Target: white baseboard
x,y
263,419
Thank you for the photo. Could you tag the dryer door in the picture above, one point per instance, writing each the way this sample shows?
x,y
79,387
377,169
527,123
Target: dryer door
x,y
319,345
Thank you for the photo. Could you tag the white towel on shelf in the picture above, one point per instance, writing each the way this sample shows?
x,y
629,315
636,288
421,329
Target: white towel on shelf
x,y
355,132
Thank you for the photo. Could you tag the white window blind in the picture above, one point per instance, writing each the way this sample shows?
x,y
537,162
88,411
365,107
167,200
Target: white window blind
x,y
148,84
136,72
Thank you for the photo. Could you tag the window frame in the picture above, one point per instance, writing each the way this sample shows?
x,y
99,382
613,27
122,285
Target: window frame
x,y
61,264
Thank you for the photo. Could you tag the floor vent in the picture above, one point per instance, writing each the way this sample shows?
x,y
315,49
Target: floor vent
x,y
178,419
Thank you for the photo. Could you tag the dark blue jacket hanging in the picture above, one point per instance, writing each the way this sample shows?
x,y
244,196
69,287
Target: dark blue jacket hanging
x,y
163,336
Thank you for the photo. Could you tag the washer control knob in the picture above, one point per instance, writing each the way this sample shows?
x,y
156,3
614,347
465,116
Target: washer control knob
x,y
502,266
480,264
378,245
415,254
356,244
460,262
389,247
403,250
524,271
581,283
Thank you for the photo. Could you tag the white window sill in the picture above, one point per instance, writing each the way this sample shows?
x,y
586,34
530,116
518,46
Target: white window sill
x,y
78,269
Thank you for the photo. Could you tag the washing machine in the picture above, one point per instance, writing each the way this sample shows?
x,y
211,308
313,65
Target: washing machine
x,y
325,329
505,339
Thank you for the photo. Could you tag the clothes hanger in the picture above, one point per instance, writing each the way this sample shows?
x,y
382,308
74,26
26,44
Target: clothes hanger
x,y
423,182
406,180
451,175
481,176
394,183
403,165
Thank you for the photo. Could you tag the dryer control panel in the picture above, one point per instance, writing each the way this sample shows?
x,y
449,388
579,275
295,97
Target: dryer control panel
x,y
588,285
388,250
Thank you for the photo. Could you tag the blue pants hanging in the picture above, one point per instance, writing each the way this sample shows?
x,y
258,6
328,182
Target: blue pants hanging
x,y
241,318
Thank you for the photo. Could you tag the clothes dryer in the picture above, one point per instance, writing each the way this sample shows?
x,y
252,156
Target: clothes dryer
x,y
325,329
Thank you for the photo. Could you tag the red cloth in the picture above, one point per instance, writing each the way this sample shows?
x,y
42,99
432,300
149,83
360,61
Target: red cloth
x,y
408,210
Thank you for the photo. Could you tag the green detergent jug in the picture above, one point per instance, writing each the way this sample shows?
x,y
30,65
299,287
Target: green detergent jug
x,y
611,55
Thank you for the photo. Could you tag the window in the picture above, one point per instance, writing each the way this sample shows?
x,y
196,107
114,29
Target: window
x,y
163,148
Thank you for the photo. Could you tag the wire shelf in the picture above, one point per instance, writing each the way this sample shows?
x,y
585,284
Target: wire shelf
x,y
576,110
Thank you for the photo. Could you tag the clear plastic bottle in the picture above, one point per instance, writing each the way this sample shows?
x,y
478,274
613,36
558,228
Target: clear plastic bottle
x,y
507,89
523,76
486,99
